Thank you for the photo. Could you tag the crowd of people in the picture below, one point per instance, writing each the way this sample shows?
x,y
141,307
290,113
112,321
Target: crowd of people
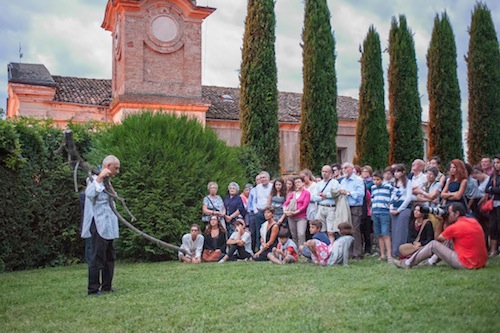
x,y
407,218
419,216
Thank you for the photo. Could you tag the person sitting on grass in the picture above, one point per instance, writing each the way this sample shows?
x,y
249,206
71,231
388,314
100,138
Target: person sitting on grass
x,y
270,240
240,243
214,245
286,250
340,249
193,244
466,236
316,233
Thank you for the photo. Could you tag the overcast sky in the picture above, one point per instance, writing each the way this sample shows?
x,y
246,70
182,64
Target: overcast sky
x,y
66,36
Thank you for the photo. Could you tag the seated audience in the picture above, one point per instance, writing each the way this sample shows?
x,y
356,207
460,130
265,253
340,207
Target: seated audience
x,y
193,244
214,245
315,227
339,253
270,239
240,243
286,250
466,236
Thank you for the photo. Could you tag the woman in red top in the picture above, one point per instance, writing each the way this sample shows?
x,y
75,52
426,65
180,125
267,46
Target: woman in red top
x,y
295,209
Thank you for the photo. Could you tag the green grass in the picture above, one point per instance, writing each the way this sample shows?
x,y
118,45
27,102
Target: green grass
x,y
368,296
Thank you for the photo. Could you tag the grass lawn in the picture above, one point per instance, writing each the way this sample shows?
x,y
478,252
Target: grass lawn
x,y
368,296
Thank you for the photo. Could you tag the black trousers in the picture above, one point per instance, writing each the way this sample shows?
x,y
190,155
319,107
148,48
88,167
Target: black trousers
x,y
237,252
102,262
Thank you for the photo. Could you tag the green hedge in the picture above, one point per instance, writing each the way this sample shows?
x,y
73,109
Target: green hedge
x,y
166,163
39,210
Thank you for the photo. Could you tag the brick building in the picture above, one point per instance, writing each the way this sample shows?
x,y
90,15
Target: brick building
x,y
157,66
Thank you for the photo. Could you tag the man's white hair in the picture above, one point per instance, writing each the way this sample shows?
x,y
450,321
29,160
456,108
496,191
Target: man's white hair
x,y
110,159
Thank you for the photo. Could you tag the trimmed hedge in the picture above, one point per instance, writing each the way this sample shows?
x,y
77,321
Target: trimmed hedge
x,y
166,163
39,211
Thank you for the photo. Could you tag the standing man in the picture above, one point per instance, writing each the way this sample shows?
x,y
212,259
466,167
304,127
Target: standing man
x,y
466,235
250,217
324,199
101,223
353,187
487,166
419,177
261,195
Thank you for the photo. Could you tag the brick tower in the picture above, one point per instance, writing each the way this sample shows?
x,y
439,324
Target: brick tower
x,y
156,56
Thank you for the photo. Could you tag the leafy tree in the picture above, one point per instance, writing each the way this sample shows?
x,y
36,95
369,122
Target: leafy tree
x,y
445,116
258,85
483,72
372,137
405,111
318,127
166,163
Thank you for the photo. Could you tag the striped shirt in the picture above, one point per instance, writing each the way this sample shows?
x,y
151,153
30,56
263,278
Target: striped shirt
x,y
381,198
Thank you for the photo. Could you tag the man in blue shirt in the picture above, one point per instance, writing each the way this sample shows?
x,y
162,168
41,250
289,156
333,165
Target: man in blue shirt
x,y
353,188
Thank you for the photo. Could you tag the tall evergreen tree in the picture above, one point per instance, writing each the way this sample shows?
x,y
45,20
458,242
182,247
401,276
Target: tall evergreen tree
x,y
445,116
318,128
258,85
372,137
483,72
405,111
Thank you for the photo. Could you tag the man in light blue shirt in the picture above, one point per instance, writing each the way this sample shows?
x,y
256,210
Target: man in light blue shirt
x,y
101,223
353,187
261,196
250,214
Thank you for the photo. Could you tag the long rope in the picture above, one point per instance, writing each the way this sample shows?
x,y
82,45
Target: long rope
x,y
75,160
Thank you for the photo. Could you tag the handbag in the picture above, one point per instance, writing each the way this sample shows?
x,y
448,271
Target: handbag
x,y
206,218
408,249
488,205
211,255
292,205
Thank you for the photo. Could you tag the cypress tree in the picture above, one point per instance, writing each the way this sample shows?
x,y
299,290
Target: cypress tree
x,y
258,85
372,137
445,116
405,111
483,72
318,128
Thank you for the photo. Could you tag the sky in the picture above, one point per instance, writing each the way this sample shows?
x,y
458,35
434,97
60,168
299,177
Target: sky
x,y
66,36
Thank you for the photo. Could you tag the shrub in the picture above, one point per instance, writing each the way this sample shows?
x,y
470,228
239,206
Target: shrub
x,y
40,212
166,163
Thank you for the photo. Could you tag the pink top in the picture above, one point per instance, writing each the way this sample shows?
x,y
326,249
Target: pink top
x,y
302,203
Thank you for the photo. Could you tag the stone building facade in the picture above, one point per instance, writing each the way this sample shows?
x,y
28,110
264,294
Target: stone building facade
x,y
157,66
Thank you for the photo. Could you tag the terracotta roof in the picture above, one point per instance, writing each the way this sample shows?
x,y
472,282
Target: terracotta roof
x,y
82,91
225,102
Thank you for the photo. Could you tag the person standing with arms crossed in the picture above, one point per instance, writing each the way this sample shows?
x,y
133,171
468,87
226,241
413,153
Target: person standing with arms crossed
x,y
101,223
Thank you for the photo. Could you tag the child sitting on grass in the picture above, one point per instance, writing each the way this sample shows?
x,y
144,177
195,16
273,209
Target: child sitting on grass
x,y
316,233
336,253
340,249
286,250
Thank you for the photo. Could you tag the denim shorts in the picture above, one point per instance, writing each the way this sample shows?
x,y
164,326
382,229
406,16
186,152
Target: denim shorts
x,y
381,224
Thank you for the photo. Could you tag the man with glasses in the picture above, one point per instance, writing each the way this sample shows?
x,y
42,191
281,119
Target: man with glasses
x,y
353,188
193,244
325,201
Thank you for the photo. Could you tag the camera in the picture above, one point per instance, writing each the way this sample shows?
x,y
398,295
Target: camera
x,y
438,211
